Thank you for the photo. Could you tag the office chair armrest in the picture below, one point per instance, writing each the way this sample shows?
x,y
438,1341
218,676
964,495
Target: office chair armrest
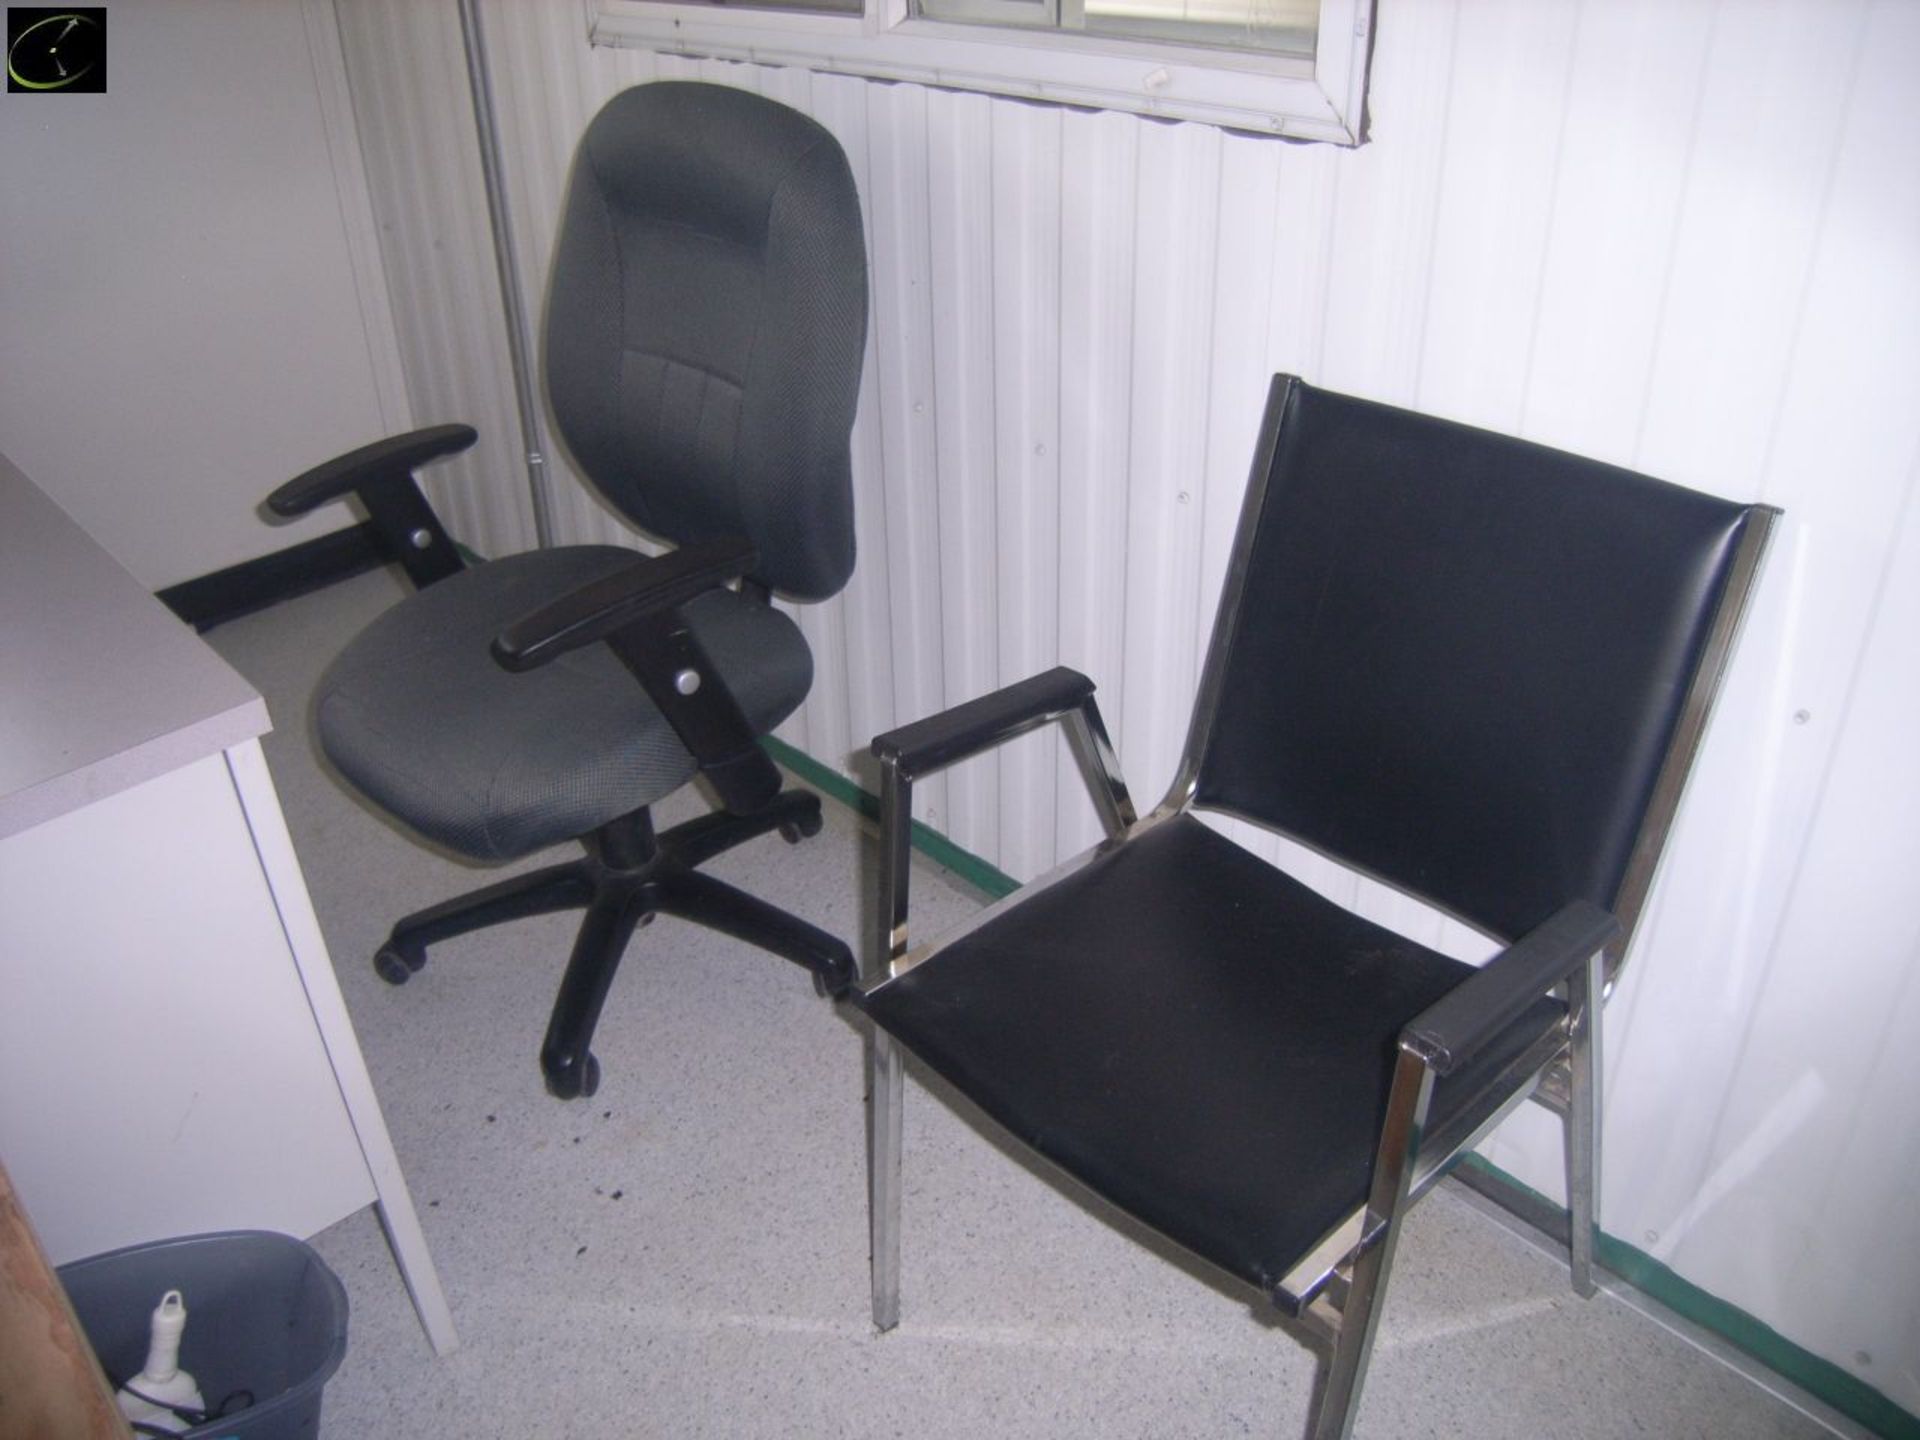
x,y
976,725
381,475
636,612
1449,1031
597,610
383,460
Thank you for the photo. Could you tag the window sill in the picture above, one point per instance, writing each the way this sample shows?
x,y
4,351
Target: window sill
x,y
1320,99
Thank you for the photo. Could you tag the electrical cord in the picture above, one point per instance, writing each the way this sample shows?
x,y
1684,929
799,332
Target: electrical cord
x,y
231,1404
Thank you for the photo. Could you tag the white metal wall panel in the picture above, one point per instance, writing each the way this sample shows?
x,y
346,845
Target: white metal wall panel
x,y
1677,234
1175,275
409,87
1737,274
898,207
1099,195
1625,155
1025,150
960,224
1488,250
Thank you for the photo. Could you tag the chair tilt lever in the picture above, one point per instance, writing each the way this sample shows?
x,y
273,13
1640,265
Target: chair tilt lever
x,y
628,876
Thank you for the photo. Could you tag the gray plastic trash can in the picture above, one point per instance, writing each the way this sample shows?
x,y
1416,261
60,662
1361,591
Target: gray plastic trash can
x,y
264,1314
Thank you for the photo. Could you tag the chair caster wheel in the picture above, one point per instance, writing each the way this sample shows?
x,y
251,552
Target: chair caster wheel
x,y
576,1083
794,831
396,965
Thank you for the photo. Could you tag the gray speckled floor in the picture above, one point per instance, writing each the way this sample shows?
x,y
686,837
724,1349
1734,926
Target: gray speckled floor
x,y
684,1254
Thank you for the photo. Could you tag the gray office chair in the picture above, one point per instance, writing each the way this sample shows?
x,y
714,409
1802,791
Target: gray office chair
x,y
1474,668
705,329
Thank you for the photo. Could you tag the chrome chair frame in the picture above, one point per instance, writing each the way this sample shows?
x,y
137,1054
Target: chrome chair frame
x,y
1336,1290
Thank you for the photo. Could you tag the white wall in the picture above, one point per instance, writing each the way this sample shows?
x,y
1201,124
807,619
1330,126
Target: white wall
x,y
190,302
1676,234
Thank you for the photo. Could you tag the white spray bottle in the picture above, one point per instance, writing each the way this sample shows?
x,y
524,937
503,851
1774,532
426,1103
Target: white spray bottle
x,y
163,1381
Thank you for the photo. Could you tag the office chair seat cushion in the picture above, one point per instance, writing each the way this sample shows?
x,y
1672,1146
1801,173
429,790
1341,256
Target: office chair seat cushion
x,y
417,715
1194,1035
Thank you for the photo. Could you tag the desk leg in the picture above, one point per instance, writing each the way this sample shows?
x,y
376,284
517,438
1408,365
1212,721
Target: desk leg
x,y
281,866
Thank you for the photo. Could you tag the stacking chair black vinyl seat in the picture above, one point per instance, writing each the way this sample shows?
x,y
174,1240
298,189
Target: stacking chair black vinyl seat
x,y
1158,1023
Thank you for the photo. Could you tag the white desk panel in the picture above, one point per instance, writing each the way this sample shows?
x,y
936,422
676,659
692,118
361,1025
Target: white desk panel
x,y
160,1070
101,687
174,1053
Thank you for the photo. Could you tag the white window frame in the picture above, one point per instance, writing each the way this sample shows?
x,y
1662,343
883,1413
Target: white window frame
x,y
1321,99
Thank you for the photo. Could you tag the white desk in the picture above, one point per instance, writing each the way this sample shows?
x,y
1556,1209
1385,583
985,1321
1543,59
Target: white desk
x,y
175,1056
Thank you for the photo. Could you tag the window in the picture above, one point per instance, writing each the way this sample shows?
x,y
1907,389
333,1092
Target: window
x,y
1283,27
1283,67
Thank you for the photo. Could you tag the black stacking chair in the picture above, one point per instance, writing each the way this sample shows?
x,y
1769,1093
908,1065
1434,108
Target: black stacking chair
x,y
1468,666
705,327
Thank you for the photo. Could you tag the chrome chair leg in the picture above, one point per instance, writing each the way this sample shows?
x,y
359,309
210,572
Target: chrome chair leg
x,y
885,1075
1386,1204
1583,1123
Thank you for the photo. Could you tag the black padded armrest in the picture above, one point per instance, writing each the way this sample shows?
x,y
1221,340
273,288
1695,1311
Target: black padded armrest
x,y
976,725
595,611
396,456
381,474
1448,1031
636,611
916,749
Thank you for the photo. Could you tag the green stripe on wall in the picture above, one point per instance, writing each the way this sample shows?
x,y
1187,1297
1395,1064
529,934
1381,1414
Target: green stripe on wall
x,y
1822,1379
929,842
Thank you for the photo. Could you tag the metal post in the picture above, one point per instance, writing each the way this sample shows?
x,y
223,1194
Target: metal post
x,y
1393,1167
885,1070
511,300
885,1096
1582,1129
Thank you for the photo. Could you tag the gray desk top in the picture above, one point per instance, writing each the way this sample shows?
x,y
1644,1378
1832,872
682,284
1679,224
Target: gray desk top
x,y
101,687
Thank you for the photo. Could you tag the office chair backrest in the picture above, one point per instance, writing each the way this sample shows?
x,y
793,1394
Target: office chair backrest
x,y
705,322
1456,660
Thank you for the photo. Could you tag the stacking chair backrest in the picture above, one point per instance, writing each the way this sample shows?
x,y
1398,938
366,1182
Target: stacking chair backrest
x,y
1459,662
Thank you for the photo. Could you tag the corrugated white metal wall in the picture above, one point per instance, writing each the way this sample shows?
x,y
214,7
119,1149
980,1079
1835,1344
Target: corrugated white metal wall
x,y
1675,234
